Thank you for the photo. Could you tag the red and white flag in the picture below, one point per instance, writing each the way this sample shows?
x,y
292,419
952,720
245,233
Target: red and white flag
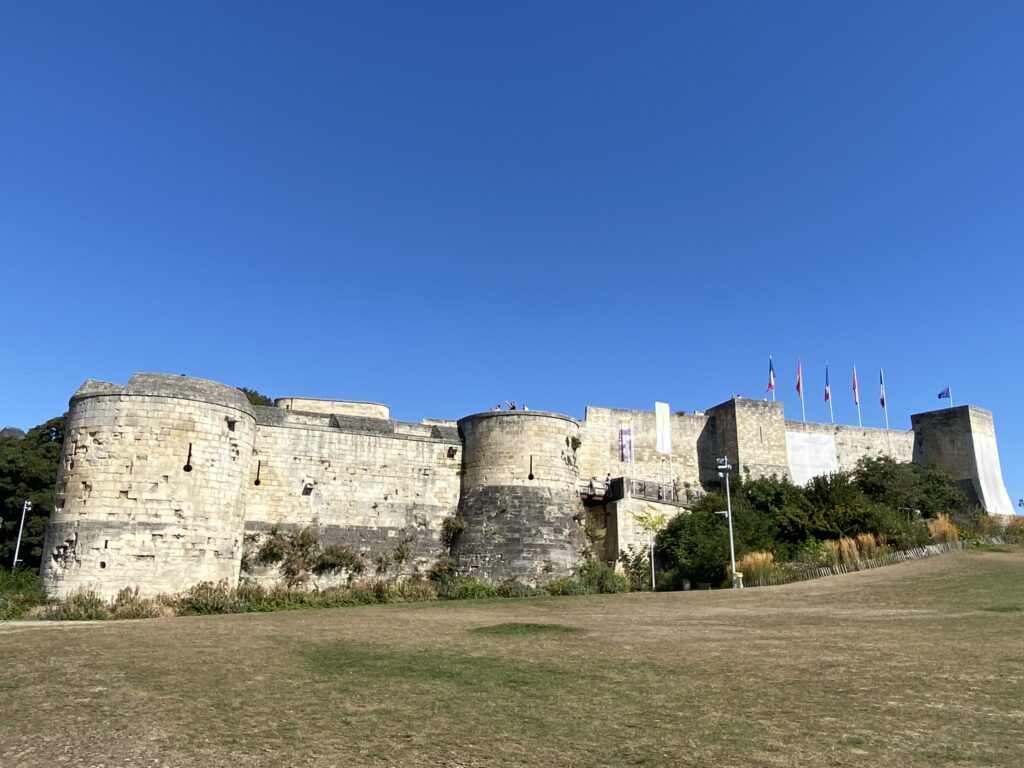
x,y
856,389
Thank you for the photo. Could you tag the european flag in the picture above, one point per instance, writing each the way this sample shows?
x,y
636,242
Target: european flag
x,y
945,394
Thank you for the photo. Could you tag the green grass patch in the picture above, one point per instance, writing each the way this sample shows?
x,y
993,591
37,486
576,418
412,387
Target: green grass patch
x,y
1004,608
800,676
517,629
982,547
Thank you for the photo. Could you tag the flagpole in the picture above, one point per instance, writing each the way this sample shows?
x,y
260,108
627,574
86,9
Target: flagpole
x,y
828,391
885,409
856,396
800,387
950,396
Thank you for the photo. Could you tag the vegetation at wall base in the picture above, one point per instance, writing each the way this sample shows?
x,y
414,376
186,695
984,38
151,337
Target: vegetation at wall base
x,y
836,520
19,593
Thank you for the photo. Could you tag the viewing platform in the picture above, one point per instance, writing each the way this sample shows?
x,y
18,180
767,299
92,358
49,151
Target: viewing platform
x,y
594,493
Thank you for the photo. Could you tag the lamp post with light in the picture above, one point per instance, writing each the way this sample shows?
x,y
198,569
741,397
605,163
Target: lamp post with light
x,y
724,468
26,507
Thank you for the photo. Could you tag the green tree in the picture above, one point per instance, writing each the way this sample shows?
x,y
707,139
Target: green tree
x,y
904,485
255,397
28,471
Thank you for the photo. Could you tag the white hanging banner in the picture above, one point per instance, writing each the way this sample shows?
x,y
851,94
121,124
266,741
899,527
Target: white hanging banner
x,y
663,426
626,442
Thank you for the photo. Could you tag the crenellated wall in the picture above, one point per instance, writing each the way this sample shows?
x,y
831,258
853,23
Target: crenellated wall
x,y
166,481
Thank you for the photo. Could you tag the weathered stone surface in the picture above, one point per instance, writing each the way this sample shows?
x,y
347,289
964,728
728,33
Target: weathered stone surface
x,y
128,513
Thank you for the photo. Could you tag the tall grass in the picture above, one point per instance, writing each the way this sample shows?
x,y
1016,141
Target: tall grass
x,y
868,546
941,530
757,567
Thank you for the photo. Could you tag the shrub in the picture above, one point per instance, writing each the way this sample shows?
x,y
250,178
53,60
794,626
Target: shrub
x,y
450,529
209,598
636,563
80,605
1013,532
513,588
338,557
465,588
942,530
19,593
600,578
128,605
564,585
443,569
812,552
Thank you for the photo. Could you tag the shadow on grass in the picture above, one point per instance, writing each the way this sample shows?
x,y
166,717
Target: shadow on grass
x,y
514,629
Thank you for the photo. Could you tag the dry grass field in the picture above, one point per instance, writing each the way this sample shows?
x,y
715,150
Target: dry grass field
x,y
920,664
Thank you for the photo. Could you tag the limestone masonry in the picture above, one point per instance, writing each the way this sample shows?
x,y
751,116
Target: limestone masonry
x,y
166,481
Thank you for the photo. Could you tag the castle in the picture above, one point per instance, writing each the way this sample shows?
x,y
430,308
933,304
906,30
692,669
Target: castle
x,y
164,481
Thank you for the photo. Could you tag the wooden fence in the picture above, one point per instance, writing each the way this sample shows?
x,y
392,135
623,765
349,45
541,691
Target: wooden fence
x,y
787,573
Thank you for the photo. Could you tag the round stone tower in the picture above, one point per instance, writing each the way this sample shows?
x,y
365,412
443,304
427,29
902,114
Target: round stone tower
x,y
151,487
519,497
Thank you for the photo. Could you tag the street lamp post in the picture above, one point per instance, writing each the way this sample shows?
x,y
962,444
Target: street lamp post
x,y
26,507
724,468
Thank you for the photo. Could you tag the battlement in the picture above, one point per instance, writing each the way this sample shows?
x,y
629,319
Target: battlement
x,y
165,479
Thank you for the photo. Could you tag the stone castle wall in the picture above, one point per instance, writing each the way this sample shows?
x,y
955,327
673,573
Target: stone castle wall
x,y
127,511
962,440
599,453
370,483
519,496
134,508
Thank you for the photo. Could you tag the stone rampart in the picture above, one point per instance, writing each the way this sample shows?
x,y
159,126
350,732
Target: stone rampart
x,y
821,449
372,484
151,488
519,497
165,481
600,454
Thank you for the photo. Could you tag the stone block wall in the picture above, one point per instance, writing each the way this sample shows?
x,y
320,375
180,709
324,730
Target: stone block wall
x,y
752,434
599,452
818,449
962,441
368,483
519,496
331,407
127,512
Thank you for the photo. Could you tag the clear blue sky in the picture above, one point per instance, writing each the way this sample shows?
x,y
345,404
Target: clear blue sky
x,y
444,205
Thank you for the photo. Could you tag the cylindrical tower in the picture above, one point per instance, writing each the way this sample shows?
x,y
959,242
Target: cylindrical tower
x,y
519,497
151,488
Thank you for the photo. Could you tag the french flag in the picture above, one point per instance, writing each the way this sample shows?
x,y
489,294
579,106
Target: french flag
x,y
856,389
771,375
828,388
799,377
881,387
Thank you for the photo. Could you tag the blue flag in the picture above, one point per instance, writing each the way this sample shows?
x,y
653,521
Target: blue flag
x,y
944,394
